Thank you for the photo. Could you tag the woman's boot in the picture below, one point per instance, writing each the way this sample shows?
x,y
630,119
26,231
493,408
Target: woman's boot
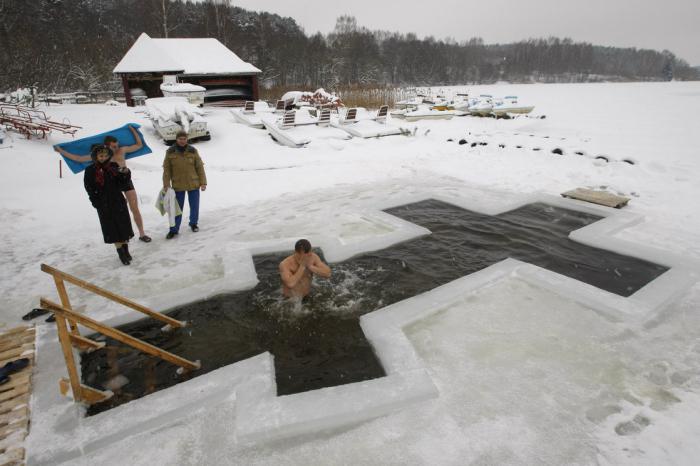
x,y
126,251
122,255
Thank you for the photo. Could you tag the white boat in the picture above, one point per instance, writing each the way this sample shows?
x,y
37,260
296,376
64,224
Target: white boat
x,y
358,123
297,128
462,103
428,113
193,93
251,114
400,113
409,103
509,104
482,106
172,114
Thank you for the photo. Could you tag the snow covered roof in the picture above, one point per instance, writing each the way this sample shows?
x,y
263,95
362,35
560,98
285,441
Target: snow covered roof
x,y
182,56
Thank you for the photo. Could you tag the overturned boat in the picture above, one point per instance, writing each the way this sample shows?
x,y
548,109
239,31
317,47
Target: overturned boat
x,y
172,114
297,128
356,124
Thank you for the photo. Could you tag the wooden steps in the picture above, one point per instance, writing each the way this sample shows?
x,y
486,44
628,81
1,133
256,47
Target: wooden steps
x,y
15,344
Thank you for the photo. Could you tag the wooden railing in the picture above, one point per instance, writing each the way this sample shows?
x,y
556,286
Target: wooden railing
x,y
67,317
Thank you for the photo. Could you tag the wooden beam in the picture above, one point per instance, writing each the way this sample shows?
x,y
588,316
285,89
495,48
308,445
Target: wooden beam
x,y
63,295
119,335
85,344
68,356
90,395
127,92
111,296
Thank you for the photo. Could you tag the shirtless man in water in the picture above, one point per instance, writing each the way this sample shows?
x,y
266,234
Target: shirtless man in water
x,y
297,270
120,158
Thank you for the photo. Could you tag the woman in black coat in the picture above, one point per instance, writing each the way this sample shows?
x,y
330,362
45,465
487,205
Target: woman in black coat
x,y
104,182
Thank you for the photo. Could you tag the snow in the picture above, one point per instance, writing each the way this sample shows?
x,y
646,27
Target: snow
x,y
181,87
186,56
527,367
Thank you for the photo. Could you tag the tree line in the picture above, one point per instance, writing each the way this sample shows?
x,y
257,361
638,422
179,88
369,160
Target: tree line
x,y
62,45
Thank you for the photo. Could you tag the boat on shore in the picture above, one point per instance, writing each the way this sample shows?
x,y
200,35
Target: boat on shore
x,y
358,123
297,128
510,105
251,114
482,106
172,114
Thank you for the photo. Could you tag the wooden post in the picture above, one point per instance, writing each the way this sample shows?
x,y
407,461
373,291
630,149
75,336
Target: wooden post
x,y
109,295
65,302
254,85
64,338
127,92
118,335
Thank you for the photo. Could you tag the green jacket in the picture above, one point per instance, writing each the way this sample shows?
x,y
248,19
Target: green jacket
x,y
184,170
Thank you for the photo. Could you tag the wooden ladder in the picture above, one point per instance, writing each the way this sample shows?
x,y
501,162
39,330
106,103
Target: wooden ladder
x,y
67,317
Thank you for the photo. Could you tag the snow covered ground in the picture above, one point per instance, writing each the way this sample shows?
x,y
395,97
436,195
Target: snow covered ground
x,y
523,375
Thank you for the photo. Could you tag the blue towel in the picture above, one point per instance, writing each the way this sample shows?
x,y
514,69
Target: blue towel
x,y
83,146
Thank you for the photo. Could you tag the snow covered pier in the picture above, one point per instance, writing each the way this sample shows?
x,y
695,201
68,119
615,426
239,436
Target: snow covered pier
x,y
597,197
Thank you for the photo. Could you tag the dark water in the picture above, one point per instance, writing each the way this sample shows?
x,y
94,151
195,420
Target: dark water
x,y
319,343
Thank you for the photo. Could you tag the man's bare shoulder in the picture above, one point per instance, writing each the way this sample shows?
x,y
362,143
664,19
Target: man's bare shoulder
x,y
286,263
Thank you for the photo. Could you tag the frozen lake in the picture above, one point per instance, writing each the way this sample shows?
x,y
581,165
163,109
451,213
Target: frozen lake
x,y
522,374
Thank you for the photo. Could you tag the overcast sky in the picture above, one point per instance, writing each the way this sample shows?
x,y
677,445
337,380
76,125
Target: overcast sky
x,y
655,24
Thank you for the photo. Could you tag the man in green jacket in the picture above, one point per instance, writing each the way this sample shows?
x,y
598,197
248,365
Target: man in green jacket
x,y
184,170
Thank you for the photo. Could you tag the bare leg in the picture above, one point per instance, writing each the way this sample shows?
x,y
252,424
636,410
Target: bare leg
x,y
132,199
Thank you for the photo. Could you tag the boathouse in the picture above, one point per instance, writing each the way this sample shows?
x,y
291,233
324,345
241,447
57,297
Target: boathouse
x,y
206,62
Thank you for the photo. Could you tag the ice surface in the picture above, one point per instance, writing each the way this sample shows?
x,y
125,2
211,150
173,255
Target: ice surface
x,y
525,377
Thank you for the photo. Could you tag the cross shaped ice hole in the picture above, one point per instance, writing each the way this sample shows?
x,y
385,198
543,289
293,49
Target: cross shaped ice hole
x,y
320,343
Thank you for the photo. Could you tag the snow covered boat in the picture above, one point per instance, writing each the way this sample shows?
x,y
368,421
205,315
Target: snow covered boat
x,y
318,99
352,122
509,104
193,93
428,113
251,114
462,103
172,114
297,128
410,103
482,106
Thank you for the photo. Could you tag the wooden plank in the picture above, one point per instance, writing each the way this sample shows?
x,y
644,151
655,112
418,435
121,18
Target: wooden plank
x,y
15,330
16,379
14,403
90,395
20,425
13,415
12,457
16,352
111,296
119,336
85,344
68,355
63,295
8,344
14,393
597,197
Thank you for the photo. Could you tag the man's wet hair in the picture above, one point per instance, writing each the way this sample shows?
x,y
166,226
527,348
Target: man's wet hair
x,y
302,245
109,139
